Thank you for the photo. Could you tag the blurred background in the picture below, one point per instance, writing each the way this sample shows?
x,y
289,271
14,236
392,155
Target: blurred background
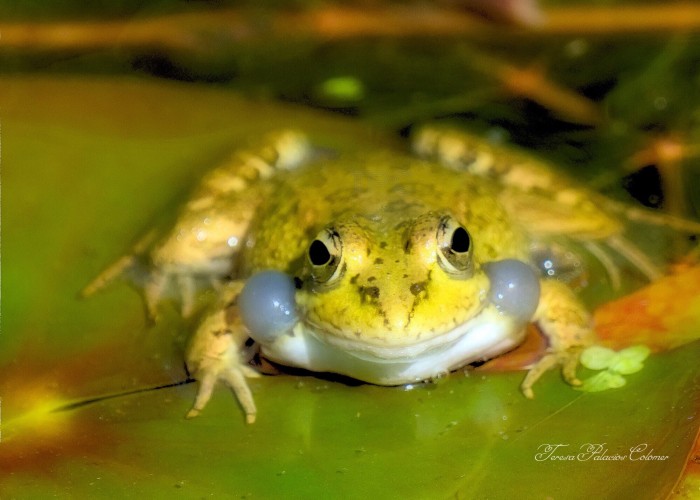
x,y
612,86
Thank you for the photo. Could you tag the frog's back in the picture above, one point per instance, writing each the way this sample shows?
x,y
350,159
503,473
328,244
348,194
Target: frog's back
x,y
383,189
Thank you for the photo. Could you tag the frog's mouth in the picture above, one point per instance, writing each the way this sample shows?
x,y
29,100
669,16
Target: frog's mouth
x,y
488,334
269,312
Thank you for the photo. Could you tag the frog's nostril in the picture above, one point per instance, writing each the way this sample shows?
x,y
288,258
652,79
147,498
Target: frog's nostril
x,y
515,288
267,305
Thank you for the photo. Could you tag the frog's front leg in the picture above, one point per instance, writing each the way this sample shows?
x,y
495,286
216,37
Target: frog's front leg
x,y
200,248
263,308
219,351
567,325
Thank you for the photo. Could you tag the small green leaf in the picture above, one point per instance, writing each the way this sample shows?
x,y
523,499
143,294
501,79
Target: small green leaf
x,y
603,381
636,353
630,360
597,357
626,367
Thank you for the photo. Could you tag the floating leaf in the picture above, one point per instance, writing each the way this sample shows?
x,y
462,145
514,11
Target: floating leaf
x,y
597,357
603,381
630,360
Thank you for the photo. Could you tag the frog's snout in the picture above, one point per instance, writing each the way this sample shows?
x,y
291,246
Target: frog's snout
x,y
267,305
515,288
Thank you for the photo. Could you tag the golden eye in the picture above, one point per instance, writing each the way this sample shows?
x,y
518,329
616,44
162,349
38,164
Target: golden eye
x,y
454,247
324,255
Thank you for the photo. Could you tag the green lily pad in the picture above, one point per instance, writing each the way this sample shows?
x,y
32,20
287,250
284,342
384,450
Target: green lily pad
x,y
93,399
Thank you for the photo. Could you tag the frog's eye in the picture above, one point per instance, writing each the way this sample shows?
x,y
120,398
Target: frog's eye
x,y
454,247
324,255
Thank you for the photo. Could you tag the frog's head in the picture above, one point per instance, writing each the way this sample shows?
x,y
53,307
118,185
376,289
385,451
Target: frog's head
x,y
391,286
377,297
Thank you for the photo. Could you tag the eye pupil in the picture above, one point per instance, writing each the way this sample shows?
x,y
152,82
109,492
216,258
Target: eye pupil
x,y
460,240
318,253
454,248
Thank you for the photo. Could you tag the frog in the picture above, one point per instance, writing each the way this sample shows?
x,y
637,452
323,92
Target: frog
x,y
387,265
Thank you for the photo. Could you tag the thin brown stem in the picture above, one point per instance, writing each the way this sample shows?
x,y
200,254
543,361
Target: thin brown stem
x,y
192,31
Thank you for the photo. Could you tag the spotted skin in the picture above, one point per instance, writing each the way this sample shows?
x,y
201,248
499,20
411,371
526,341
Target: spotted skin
x,y
388,252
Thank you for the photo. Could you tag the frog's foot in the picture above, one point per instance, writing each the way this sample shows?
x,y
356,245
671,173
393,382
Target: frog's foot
x,y
156,283
159,284
156,286
568,360
234,376
627,249
221,348
218,352
113,272
567,325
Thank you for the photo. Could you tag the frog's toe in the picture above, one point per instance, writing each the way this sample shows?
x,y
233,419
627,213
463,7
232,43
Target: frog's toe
x,y
204,392
186,289
234,376
569,365
546,363
153,293
235,379
110,274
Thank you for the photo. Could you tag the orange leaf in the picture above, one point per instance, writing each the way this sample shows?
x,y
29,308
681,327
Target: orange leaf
x,y
663,315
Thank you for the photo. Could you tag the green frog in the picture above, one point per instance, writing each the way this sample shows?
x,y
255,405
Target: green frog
x,y
384,265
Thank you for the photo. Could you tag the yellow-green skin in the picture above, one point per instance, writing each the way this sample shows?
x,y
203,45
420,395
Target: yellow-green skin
x,y
386,208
